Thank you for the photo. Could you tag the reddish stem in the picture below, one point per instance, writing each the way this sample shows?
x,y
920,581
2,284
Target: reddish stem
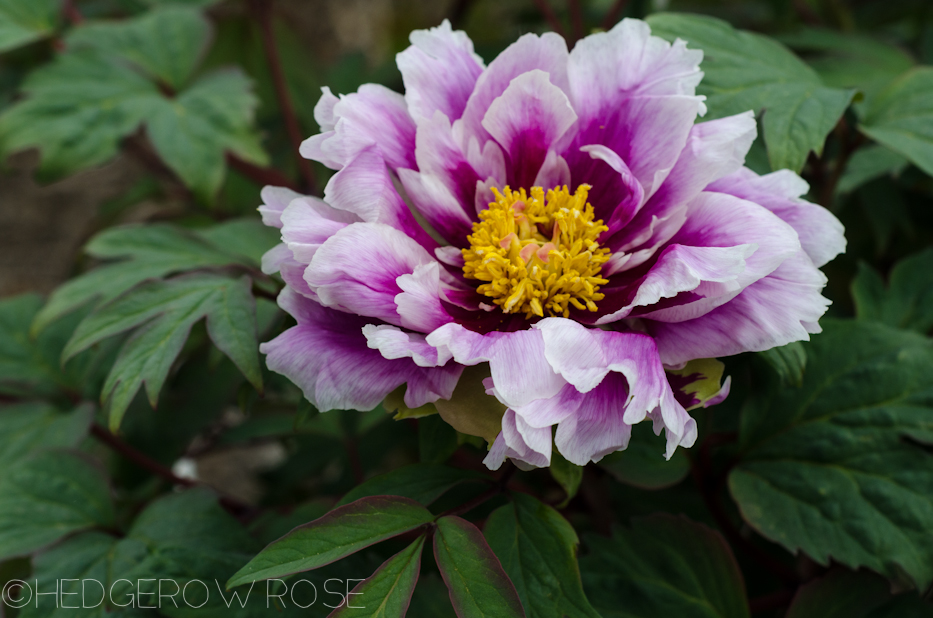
x,y
576,19
548,13
614,14
258,174
263,11
71,13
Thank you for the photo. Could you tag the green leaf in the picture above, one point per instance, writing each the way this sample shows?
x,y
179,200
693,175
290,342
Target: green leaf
x,y
246,237
180,537
166,311
193,131
387,592
847,594
568,475
906,302
826,469
49,496
744,70
423,483
479,587
343,531
642,464
25,21
30,366
538,550
166,43
850,60
868,164
664,565
147,251
901,117
29,427
788,361
76,111
437,440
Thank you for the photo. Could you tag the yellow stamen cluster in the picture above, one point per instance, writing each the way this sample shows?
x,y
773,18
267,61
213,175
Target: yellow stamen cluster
x,y
538,254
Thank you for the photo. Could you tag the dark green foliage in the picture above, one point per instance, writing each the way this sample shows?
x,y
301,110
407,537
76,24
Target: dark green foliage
x,y
809,490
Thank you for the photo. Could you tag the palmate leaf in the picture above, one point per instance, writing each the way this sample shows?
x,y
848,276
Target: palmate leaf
x,y
111,82
845,594
664,566
641,465
423,483
164,312
153,251
744,70
180,537
830,468
27,428
788,361
25,21
537,548
901,117
869,163
49,496
344,531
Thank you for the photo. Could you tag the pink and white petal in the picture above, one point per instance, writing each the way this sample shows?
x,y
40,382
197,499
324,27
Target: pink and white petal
x,y
616,194
357,269
308,222
714,149
640,64
552,410
363,187
419,303
274,201
429,384
452,256
688,269
554,172
530,117
520,371
324,110
342,372
647,132
433,199
679,427
574,352
720,220
596,428
273,258
374,115
547,52
511,444
821,234
293,274
393,343
783,307
439,71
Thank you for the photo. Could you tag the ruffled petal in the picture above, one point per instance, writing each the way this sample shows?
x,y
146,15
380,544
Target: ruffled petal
x,y
547,52
714,149
308,222
596,428
616,194
394,343
526,446
821,234
527,120
357,269
516,360
685,269
273,258
419,303
327,357
439,71
363,187
627,61
718,220
783,307
274,201
438,206
374,115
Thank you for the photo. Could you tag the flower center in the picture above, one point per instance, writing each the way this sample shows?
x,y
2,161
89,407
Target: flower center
x,y
538,254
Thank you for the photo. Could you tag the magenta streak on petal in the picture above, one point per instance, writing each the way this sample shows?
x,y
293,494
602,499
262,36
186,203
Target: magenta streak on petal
x,y
419,303
621,194
327,357
526,120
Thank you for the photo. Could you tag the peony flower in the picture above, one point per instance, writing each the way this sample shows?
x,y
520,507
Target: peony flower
x,y
558,219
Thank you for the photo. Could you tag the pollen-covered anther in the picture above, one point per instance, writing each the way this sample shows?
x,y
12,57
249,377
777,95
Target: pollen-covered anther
x,y
538,253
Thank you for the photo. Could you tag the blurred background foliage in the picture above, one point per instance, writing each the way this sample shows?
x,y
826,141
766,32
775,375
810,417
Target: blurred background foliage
x,y
174,113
